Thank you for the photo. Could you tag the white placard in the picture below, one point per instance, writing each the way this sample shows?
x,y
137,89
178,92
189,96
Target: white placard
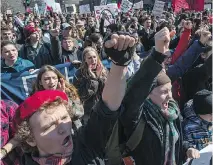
x,y
126,6
37,9
158,8
205,156
111,10
138,5
57,8
207,6
84,9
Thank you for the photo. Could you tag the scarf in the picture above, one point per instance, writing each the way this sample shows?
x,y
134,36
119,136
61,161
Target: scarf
x,y
52,160
162,122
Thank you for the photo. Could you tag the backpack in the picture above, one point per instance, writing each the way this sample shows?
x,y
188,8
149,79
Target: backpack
x,y
117,153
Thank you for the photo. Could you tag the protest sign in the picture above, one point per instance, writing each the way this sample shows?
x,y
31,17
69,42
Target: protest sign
x,y
110,10
103,2
158,8
84,9
57,8
9,12
205,157
126,6
138,5
36,10
43,8
207,6
18,86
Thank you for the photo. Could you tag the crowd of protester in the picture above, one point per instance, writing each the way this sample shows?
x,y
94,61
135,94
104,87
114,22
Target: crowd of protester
x,y
142,92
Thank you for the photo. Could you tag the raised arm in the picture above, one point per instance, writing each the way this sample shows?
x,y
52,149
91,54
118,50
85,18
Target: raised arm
x,y
105,112
183,42
139,86
189,56
56,49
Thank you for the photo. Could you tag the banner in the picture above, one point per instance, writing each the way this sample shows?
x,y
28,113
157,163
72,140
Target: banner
x,y
17,86
84,9
138,5
126,6
177,5
111,10
158,8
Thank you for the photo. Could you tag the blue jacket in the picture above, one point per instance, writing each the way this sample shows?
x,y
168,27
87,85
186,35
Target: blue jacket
x,y
19,66
195,130
185,61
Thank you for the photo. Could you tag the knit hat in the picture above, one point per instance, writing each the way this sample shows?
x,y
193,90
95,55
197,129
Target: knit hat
x,y
161,79
202,102
28,30
34,102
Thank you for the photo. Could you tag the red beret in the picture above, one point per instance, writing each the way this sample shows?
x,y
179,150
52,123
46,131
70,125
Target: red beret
x,y
34,102
28,30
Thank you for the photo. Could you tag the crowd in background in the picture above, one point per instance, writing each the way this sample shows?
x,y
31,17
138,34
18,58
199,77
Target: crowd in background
x,y
170,93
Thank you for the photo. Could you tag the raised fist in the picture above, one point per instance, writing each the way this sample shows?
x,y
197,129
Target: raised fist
x,y
162,39
54,32
120,48
188,25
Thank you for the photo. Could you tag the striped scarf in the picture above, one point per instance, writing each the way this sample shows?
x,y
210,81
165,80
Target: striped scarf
x,y
153,111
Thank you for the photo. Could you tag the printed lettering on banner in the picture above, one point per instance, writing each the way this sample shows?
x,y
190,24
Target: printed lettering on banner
x,y
84,9
158,8
110,10
126,6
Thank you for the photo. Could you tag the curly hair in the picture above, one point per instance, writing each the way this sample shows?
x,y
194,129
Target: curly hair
x,y
24,130
70,90
84,67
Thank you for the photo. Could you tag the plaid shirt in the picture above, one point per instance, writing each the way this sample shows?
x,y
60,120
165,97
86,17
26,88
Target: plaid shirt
x,y
195,130
7,114
8,109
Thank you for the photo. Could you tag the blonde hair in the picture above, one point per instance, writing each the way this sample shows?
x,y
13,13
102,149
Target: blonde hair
x,y
84,66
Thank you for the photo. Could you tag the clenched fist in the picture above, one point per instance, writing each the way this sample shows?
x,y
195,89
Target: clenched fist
x,y
162,40
54,32
120,48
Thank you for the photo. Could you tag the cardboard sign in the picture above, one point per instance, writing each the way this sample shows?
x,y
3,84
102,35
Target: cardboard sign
x,y
158,8
84,9
103,2
126,6
57,8
36,10
9,12
138,5
111,10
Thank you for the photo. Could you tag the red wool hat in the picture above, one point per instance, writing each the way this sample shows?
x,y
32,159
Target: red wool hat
x,y
28,30
34,102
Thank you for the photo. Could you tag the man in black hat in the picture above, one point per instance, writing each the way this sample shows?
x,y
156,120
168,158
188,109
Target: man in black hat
x,y
197,124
